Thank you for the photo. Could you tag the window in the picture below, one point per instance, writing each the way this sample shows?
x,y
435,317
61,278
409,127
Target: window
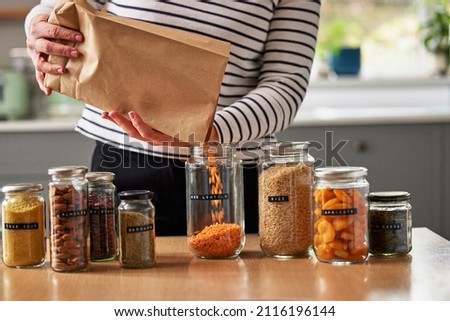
x,y
386,31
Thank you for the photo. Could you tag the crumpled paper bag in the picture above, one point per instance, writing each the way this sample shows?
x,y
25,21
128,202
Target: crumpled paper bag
x,y
172,78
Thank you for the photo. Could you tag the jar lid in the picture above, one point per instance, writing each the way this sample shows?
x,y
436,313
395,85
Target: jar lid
x,y
64,171
340,172
100,176
135,195
22,187
389,196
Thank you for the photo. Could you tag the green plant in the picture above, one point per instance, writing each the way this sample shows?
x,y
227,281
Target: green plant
x,y
435,32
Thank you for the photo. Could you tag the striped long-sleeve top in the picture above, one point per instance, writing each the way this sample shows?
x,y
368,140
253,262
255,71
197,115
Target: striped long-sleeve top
x,y
272,49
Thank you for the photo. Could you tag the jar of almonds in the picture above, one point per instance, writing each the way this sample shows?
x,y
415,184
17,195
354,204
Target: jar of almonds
x,y
69,221
340,232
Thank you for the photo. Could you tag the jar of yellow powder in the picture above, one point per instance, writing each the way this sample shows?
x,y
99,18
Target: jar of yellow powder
x,y
23,213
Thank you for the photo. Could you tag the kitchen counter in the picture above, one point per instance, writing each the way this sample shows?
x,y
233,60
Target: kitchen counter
x,y
38,125
422,275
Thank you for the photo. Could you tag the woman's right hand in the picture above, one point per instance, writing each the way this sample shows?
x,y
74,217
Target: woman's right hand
x,y
41,43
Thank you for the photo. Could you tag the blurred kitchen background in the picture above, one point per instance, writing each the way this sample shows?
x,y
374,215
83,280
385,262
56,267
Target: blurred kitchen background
x,y
380,86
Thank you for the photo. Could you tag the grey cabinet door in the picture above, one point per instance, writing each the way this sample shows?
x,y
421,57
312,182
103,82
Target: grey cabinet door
x,y
398,157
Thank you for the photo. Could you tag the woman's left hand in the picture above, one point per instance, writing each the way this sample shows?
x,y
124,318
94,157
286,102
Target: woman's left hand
x,y
135,126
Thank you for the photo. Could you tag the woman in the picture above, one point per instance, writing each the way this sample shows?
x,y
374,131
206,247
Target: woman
x,y
265,82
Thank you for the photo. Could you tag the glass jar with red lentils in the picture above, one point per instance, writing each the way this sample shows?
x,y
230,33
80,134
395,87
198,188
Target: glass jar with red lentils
x,y
340,209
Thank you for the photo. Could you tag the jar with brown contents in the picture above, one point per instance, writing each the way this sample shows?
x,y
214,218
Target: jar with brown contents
x,y
69,221
23,216
215,212
102,216
137,229
285,180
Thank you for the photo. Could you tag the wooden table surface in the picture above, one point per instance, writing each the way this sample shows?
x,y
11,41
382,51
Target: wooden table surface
x,y
422,275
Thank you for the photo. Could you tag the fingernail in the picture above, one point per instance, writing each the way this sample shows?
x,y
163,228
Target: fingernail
x,y
78,38
60,70
74,53
131,115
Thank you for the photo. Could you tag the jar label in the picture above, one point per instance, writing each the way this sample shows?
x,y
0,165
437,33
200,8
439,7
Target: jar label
x,y
21,226
278,198
347,211
386,227
140,228
208,197
78,213
101,211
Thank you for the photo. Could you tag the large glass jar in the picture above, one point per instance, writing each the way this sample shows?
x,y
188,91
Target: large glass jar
x,y
284,186
102,216
23,217
214,196
69,220
340,233
136,229
390,223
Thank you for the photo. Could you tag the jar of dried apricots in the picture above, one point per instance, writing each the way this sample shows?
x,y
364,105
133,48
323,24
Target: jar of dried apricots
x,y
340,232
215,211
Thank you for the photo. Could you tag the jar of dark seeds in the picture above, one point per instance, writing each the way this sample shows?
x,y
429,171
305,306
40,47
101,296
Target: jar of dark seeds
x,y
136,229
390,223
102,216
285,180
69,221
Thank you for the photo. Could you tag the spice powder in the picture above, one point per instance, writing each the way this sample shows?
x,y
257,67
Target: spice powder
x,y
24,247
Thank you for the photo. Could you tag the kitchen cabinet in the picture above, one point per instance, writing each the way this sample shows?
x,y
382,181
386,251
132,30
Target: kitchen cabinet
x,y
26,156
411,157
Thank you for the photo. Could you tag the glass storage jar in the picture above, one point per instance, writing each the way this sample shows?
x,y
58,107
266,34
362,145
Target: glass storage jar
x,y
214,196
69,220
390,223
23,217
136,229
340,232
102,207
285,177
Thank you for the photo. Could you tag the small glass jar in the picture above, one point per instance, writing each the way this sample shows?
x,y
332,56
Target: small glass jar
x,y
284,186
69,220
102,207
340,232
23,216
390,223
136,229
214,196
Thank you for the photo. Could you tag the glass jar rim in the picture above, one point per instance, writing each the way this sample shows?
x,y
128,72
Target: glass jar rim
x,y
389,196
22,187
340,172
100,176
210,149
286,147
135,194
66,171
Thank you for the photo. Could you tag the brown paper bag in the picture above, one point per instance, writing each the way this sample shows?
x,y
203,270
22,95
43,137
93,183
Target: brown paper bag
x,y
172,78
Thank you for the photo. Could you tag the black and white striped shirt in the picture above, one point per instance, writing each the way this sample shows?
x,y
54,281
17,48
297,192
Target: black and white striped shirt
x,y
265,82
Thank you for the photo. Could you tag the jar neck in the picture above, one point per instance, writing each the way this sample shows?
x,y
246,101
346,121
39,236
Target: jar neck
x,y
212,151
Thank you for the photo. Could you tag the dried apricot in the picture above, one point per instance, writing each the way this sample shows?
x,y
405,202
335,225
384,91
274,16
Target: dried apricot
x,y
326,231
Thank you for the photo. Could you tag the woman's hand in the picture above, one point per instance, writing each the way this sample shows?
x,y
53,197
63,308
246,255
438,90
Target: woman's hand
x,y
137,128
41,43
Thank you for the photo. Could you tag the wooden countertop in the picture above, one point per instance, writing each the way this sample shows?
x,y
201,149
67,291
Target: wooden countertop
x,y
178,276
